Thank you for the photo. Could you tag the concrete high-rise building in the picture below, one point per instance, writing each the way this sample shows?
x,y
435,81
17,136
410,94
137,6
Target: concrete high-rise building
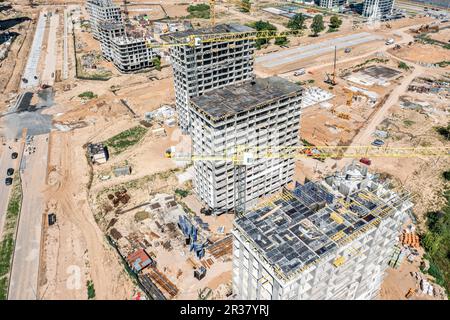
x,y
327,240
131,54
207,66
257,115
377,9
330,4
107,31
102,10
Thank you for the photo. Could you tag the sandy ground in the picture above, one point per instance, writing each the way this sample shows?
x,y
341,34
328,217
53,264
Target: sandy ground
x,y
426,53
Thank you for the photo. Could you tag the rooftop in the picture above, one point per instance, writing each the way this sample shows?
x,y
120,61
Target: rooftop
x,y
221,28
233,99
300,227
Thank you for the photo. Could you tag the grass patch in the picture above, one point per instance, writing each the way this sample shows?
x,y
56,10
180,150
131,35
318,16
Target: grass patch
x,y
182,193
141,215
199,11
7,242
87,95
90,289
436,242
408,123
403,65
446,175
126,139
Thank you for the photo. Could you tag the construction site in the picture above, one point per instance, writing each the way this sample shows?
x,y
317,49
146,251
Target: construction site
x,y
185,148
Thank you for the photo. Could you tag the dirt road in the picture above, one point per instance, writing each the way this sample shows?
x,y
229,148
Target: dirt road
x,y
67,191
48,74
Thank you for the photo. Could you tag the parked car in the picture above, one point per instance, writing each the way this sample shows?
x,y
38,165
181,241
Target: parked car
x,y
8,181
377,143
10,172
14,155
299,72
366,161
347,50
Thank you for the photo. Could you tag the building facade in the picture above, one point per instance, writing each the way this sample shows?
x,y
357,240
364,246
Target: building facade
x,y
328,240
377,9
102,10
256,115
330,4
131,54
208,65
107,31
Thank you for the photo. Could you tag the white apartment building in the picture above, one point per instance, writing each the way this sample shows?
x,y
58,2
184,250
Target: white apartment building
x,y
377,9
102,10
208,65
107,32
256,115
330,4
327,240
131,54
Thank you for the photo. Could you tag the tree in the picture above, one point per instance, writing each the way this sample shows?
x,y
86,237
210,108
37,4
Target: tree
x,y
157,63
281,41
317,25
297,22
245,5
262,26
335,23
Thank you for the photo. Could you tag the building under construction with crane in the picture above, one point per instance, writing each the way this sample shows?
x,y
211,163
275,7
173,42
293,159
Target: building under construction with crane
x,y
208,64
260,114
127,53
323,240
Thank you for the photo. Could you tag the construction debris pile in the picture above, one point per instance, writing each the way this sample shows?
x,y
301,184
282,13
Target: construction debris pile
x,y
425,287
97,152
164,246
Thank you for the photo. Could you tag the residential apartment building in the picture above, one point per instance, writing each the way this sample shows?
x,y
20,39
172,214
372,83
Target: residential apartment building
x,y
330,4
377,9
102,10
208,65
258,115
324,240
107,32
131,54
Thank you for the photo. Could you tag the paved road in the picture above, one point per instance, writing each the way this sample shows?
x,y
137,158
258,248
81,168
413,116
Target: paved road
x,y
323,47
65,73
34,55
48,75
5,163
25,268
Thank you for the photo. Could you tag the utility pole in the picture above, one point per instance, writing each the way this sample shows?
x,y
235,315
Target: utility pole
x,y
334,71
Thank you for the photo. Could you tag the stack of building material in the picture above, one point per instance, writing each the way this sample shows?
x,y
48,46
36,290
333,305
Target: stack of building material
x,y
221,247
410,239
162,282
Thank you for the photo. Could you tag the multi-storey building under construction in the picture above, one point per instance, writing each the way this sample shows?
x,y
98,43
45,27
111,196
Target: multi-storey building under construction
x,y
328,240
102,10
258,114
207,66
377,9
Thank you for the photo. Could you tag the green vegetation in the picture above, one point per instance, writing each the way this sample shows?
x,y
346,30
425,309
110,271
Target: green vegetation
x,y
87,95
424,38
403,65
376,60
408,123
436,242
262,26
281,41
126,139
335,23
90,289
200,11
317,25
297,22
157,63
246,5
446,175
182,193
444,131
7,243
443,64
141,215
